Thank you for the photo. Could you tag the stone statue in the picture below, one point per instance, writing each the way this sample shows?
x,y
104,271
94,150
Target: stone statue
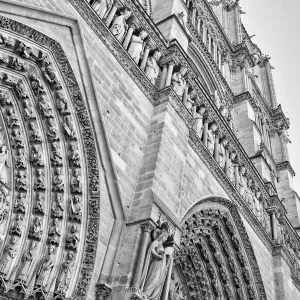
x,y
52,77
69,127
57,207
34,133
26,262
36,85
39,181
56,155
21,181
231,167
39,207
212,128
74,156
20,160
178,82
73,238
36,156
137,45
222,152
54,233
45,107
11,118
242,180
9,253
52,131
198,115
190,100
36,229
44,269
61,103
256,204
17,139
65,273
15,228
152,68
20,203
75,208
24,50
76,182
102,7
119,25
4,163
58,180
28,110
155,268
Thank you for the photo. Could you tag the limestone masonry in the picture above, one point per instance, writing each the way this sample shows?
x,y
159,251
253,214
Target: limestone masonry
x,y
143,155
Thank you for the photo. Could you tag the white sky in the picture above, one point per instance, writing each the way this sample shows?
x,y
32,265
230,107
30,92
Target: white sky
x,y
276,24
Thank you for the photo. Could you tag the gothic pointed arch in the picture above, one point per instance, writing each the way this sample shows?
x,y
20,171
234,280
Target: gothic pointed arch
x,y
216,259
49,171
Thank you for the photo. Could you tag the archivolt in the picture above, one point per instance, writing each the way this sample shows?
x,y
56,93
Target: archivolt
x,y
216,259
54,199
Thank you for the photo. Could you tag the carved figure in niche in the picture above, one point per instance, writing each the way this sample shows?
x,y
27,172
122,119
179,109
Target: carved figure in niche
x,y
235,242
75,209
152,68
39,206
212,128
231,167
16,225
65,273
242,180
36,229
74,156
228,291
28,110
218,258
26,262
52,77
11,118
21,90
61,103
21,181
56,155
73,238
4,163
231,263
36,85
23,50
43,60
190,100
52,131
54,233
17,139
9,253
44,107
36,156
6,41
34,133
176,289
198,115
58,180
20,203
11,81
222,151
119,25
57,207
16,64
39,181
137,45
212,242
155,267
76,182
178,82
102,7
20,160
69,127
204,251
5,98
251,292
45,267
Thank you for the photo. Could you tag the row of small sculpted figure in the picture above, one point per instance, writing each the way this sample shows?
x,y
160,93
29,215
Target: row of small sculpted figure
x,y
43,268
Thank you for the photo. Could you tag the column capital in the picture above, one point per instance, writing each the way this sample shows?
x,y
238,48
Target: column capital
x,y
148,226
103,291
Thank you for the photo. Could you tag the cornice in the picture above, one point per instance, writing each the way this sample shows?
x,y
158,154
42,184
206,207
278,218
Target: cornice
x,y
285,165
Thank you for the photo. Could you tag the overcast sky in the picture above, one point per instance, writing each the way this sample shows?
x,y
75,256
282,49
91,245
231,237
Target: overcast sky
x,y
276,24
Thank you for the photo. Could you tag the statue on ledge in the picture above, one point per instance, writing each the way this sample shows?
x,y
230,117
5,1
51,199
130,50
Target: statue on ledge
x,y
137,45
119,25
178,82
152,68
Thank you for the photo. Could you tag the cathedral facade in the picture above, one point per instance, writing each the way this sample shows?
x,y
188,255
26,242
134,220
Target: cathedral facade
x,y
143,155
